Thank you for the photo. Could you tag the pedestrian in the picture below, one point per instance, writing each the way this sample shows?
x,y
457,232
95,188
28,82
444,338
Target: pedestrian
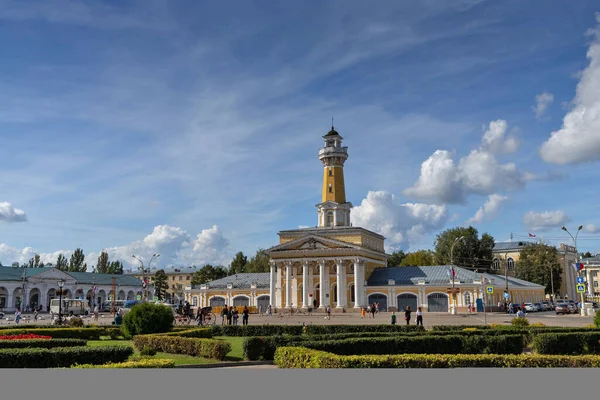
x,y
229,315
245,314
315,303
328,312
18,316
200,316
269,311
35,315
393,318
223,315
235,315
363,311
260,310
419,316
510,308
520,313
407,315
377,307
373,310
96,313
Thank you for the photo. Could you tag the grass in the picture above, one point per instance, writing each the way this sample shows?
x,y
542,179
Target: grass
x,y
236,353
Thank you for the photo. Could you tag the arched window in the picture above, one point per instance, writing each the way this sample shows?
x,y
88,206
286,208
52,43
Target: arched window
x,y
330,218
195,301
510,264
334,290
496,264
467,298
353,298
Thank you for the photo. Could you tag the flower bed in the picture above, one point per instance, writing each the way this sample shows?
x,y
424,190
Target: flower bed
x,y
24,336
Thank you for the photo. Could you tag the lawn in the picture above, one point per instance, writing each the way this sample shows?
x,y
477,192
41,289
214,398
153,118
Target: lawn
x,y
236,353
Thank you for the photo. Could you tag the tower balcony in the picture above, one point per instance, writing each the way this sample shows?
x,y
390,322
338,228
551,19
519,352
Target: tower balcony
x,y
333,152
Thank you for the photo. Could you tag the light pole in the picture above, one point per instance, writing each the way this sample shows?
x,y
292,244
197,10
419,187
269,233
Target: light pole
x,y
61,284
583,311
453,310
145,282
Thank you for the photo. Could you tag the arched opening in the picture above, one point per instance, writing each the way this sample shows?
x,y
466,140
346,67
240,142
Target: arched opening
x,y
467,299
217,301
34,298
121,295
405,300
50,295
67,294
3,297
139,294
330,218
241,301
262,302
437,302
18,298
334,291
89,296
79,294
378,298
496,264
352,294
510,264
101,297
130,295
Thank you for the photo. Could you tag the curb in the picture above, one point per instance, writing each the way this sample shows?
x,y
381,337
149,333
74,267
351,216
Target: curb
x,y
226,364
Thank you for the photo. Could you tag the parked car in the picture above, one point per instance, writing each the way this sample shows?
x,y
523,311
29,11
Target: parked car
x,y
1,315
546,306
562,308
530,307
538,306
573,308
595,304
515,308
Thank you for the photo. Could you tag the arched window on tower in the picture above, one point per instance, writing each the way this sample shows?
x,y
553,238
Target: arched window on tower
x,y
330,188
510,264
330,218
330,171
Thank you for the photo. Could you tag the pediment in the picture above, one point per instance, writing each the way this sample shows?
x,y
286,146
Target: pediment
x,y
52,275
312,243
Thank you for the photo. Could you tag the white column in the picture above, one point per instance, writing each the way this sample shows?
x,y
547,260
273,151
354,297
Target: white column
x,y
590,283
288,284
272,284
357,285
322,283
305,285
341,284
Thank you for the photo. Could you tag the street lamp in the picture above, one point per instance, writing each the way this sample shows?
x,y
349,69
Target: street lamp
x,y
453,310
61,284
583,311
145,282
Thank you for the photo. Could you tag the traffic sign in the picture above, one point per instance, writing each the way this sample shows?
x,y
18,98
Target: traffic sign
x,y
505,295
489,289
110,297
580,288
138,297
155,298
580,279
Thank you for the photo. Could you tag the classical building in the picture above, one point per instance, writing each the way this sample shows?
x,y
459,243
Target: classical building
x,y
250,290
39,285
178,278
591,268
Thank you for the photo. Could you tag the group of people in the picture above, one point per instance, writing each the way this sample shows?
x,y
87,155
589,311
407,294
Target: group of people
x,y
369,310
231,315
407,313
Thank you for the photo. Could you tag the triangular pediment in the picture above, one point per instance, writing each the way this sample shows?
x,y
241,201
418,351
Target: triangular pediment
x,y
312,243
53,274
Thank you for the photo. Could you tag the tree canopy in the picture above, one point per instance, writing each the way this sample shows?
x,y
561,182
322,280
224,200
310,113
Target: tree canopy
x,y
77,261
472,252
238,264
535,264
208,273
419,258
62,263
396,258
161,284
259,263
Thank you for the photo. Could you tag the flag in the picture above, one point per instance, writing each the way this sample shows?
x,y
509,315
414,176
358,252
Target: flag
x,y
451,272
94,289
578,266
531,234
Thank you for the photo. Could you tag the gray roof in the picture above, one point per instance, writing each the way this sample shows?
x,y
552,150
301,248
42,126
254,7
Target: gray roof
x,y
436,275
592,260
168,270
508,246
242,281
16,274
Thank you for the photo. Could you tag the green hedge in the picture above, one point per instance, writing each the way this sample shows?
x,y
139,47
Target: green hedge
x,y
269,330
146,363
567,343
60,333
63,356
457,327
208,348
41,343
297,357
203,333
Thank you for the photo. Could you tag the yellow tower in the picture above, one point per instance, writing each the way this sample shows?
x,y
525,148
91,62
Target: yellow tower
x,y
333,209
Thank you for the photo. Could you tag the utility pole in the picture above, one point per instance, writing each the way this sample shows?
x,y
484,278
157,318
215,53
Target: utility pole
x,y
583,309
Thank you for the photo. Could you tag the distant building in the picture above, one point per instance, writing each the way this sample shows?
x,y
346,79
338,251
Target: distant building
x,y
178,279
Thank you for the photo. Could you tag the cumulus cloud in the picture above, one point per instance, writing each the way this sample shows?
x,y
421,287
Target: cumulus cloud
x,y
579,139
9,255
489,208
495,139
542,101
400,223
591,228
10,214
545,220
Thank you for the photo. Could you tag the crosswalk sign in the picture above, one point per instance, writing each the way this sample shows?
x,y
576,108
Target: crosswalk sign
x,y
138,297
155,298
489,289
580,288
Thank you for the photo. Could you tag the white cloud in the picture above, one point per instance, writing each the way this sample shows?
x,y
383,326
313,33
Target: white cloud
x,y
489,208
542,101
579,139
9,254
400,223
545,220
495,140
10,214
591,228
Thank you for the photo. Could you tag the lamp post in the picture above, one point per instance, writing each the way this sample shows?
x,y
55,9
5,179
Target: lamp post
x,y
145,282
583,311
61,284
453,310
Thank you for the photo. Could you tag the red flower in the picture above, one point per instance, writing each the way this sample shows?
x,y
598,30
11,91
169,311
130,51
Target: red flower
x,y
26,336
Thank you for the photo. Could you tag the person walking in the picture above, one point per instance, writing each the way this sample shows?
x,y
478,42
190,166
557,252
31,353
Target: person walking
x,y
223,315
270,311
407,315
260,311
328,312
245,314
393,318
96,313
363,312
373,310
235,315
18,316
229,315
419,316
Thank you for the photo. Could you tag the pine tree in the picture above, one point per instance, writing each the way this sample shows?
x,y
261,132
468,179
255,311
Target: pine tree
x,y
61,263
238,264
76,263
103,263
115,267
161,284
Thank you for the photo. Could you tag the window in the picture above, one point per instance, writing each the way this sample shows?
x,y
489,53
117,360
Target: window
x,y
195,301
352,298
330,188
468,297
180,277
496,264
173,278
510,264
179,286
595,283
330,172
187,278
330,218
595,273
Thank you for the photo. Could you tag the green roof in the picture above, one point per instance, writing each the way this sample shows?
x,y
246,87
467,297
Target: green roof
x,y
16,274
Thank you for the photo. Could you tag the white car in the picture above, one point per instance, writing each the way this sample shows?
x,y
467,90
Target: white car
x,y
529,307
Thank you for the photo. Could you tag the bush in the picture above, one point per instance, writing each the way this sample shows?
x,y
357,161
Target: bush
x,y
147,318
567,343
519,322
75,322
270,330
62,356
144,363
208,348
204,333
297,357
148,351
41,343
60,333
597,319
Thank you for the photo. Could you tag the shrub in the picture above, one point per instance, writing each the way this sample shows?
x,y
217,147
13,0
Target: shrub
x,y
75,322
204,333
597,319
520,322
208,348
41,343
147,318
60,333
537,325
567,343
296,357
148,351
62,356
26,336
144,363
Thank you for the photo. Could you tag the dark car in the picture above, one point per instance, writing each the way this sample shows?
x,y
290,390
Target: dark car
x,y
562,308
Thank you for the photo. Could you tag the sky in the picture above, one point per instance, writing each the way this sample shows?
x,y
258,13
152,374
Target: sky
x,y
191,129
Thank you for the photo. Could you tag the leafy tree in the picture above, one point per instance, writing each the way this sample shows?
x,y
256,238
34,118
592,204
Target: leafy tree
x,y
161,284
396,258
259,263
238,264
588,255
147,318
77,261
35,262
418,258
208,273
103,264
535,264
471,252
61,263
115,267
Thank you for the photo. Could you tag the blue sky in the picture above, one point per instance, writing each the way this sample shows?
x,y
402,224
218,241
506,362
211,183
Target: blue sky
x,y
192,128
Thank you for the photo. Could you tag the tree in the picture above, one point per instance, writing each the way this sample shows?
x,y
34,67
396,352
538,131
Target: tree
x,y
35,262
147,318
161,284
471,252
418,258
61,263
103,263
76,263
115,267
587,255
535,264
396,258
259,263
238,264
207,274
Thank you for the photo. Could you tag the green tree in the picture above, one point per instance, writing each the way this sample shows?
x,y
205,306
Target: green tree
x,y
471,252
587,255
238,264
259,263
207,274
535,264
418,258
62,263
35,262
115,267
103,263
161,284
396,258
77,261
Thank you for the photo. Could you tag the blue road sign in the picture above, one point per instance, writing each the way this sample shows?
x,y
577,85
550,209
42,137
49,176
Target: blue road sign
x,y
580,279
580,288
505,295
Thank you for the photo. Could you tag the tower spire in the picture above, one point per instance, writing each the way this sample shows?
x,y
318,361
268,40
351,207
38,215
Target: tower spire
x,y
332,123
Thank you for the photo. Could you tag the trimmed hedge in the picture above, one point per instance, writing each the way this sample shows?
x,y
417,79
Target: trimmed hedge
x,y
147,363
62,356
270,330
457,327
208,348
202,333
567,343
60,333
41,343
297,357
